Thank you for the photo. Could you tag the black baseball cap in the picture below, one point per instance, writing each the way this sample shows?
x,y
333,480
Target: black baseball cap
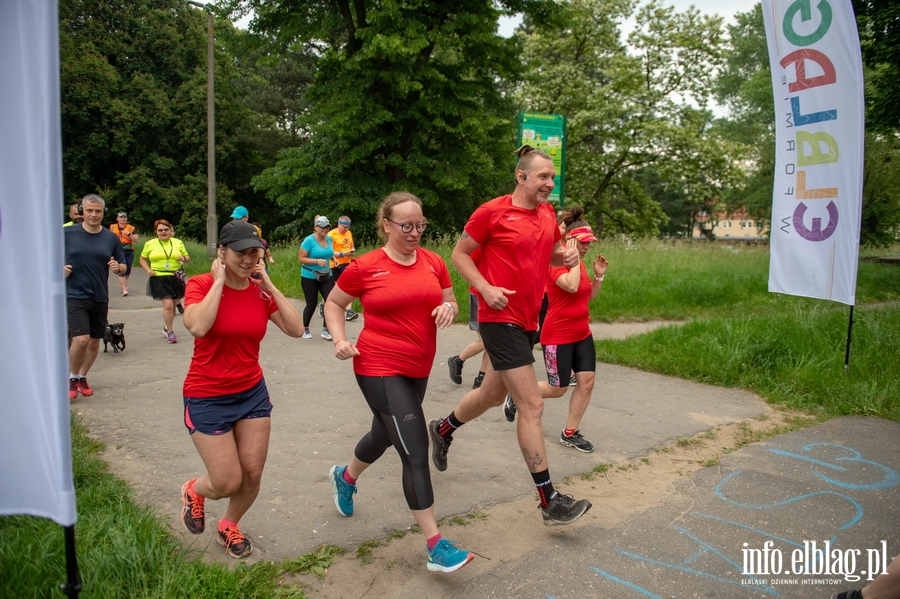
x,y
239,235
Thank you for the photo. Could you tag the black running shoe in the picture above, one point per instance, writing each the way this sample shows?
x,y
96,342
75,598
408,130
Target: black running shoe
x,y
478,380
563,509
439,446
509,408
576,440
179,306
455,365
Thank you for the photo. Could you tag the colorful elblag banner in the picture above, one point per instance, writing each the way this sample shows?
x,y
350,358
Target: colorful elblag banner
x,y
817,78
36,462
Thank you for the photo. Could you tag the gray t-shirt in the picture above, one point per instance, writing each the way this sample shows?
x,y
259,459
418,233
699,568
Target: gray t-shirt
x,y
89,254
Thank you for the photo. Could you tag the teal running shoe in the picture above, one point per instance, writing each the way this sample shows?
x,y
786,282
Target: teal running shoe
x,y
343,491
445,557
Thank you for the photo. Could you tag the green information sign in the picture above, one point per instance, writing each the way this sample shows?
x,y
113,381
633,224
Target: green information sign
x,y
547,132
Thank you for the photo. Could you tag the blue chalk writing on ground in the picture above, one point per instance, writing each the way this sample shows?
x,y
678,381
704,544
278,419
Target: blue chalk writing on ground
x,y
843,469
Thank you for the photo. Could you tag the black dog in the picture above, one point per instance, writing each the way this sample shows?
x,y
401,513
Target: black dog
x,y
115,336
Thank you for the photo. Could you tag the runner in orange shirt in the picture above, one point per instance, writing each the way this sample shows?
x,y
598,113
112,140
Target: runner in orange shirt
x,y
128,237
343,252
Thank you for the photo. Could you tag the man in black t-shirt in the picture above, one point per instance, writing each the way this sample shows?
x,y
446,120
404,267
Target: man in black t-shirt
x,y
92,251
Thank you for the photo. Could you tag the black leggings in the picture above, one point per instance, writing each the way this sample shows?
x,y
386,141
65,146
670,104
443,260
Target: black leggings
x,y
396,402
311,290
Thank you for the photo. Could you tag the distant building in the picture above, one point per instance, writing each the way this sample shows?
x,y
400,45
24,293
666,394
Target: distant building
x,y
736,225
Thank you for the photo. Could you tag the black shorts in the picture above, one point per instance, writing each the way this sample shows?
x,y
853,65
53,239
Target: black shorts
x,y
508,345
86,317
562,360
338,270
217,415
473,312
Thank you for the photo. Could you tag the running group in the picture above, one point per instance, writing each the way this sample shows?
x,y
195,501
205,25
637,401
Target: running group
x,y
516,254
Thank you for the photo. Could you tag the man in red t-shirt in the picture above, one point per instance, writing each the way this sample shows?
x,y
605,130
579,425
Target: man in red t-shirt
x,y
519,238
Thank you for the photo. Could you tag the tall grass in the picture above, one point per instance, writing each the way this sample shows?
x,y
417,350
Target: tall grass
x,y
793,357
645,281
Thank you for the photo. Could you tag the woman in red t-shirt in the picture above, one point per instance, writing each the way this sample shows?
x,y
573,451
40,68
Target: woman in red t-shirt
x,y
226,403
407,296
566,333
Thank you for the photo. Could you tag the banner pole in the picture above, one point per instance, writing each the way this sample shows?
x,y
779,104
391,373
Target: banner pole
x,y
847,355
72,586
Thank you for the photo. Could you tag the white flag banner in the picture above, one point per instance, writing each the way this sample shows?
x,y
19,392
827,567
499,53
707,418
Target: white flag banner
x,y
817,78
35,445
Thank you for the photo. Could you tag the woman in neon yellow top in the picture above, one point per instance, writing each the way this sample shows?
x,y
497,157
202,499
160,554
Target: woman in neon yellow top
x,y
161,258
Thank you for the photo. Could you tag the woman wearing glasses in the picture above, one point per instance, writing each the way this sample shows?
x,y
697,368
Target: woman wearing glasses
x,y
407,296
161,258
226,403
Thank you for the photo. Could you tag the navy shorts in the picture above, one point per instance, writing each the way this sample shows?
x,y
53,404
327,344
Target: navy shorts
x,y
129,260
561,360
218,415
508,345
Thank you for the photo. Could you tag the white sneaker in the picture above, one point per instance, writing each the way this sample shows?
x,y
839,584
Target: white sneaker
x,y
307,334
326,334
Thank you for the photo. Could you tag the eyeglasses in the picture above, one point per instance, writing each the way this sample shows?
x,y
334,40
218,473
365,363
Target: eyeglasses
x,y
163,230
408,227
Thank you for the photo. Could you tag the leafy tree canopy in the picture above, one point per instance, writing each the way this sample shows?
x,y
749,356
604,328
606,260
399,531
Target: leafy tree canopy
x,y
879,33
133,89
406,95
630,108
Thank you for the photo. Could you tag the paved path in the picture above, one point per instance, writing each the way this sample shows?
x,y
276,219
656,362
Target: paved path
x,y
836,481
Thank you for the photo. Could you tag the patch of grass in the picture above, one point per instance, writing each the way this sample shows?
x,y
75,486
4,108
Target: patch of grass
x,y
463,519
396,534
794,358
598,469
315,563
364,551
747,434
713,461
688,442
645,460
